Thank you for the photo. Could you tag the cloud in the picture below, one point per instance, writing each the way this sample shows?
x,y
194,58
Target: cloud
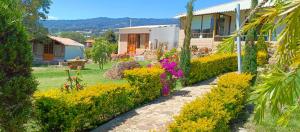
x,y
52,18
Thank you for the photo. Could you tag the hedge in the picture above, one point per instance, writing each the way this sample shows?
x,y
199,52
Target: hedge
x,y
210,66
216,109
91,107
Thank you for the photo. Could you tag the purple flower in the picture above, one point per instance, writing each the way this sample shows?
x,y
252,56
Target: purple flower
x,y
179,73
163,76
149,65
165,90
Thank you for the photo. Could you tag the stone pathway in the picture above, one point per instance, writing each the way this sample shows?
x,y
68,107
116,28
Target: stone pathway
x,y
156,115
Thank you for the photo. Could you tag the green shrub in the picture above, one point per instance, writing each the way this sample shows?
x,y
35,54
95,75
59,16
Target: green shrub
x,y
213,111
210,66
92,106
262,58
16,82
146,82
88,53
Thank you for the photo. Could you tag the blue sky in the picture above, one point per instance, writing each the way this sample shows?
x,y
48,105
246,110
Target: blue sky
x,y
82,9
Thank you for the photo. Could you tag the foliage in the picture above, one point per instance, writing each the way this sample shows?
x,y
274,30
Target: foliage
x,y
172,55
34,11
146,81
170,76
74,36
159,51
73,82
185,56
262,45
210,66
117,71
110,36
214,111
93,106
250,56
88,53
279,91
16,82
262,58
101,52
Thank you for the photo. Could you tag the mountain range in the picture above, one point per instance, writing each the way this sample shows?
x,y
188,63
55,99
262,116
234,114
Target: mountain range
x,y
101,24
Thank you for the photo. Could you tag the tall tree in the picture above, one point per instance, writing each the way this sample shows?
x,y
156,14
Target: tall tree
x,y
74,35
16,82
110,36
250,58
34,11
185,56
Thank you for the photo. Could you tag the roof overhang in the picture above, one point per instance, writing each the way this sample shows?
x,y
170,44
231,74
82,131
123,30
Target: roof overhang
x,y
223,8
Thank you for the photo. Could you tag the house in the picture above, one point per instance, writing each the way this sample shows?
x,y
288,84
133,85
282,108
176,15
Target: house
x,y
56,49
136,40
211,25
89,43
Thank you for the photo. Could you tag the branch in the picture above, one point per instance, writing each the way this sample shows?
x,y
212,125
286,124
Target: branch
x,y
253,12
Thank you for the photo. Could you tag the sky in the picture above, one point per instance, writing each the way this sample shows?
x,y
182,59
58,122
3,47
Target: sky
x,y
83,9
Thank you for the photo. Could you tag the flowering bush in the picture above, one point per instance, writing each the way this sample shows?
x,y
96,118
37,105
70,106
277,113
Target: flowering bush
x,y
216,109
170,76
73,82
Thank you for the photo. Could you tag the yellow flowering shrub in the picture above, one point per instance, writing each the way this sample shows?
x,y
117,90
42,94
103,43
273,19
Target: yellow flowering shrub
x,y
213,111
207,67
262,58
88,108
145,82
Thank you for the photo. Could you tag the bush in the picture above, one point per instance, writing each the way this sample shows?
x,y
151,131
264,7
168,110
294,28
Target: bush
x,y
210,66
216,109
16,82
88,53
262,58
117,71
146,82
92,106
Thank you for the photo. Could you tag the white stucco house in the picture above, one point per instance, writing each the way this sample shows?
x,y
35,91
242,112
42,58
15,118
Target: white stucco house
x,y
211,25
56,50
135,40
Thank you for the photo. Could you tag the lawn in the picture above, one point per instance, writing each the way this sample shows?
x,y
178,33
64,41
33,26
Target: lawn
x,y
269,124
54,77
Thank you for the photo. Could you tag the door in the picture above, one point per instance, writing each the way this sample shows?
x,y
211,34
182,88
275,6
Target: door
x,y
48,52
131,46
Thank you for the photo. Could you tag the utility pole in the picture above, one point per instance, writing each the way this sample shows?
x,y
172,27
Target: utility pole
x,y
238,28
130,22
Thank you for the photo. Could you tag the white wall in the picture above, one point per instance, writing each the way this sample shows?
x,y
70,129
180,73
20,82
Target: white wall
x,y
165,35
73,51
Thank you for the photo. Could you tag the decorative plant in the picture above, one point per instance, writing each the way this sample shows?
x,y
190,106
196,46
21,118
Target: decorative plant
x,y
159,51
101,52
185,56
73,82
172,55
170,76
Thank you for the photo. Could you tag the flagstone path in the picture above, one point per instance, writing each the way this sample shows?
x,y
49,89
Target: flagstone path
x,y
156,115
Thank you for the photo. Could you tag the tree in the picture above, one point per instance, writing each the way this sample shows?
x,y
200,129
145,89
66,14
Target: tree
x,y
16,82
75,36
110,36
34,11
101,52
185,56
250,57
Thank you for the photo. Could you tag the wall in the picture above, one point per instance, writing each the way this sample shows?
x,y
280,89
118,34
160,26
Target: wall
x,y
165,35
122,45
73,51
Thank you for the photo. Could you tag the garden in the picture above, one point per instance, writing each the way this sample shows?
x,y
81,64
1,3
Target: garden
x,y
263,97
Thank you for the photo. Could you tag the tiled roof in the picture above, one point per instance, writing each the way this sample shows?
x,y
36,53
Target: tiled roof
x,y
66,41
227,7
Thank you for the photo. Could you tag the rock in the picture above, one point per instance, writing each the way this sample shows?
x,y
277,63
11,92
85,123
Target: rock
x,y
117,71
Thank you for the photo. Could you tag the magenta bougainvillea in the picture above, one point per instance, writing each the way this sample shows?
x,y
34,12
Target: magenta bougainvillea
x,y
170,76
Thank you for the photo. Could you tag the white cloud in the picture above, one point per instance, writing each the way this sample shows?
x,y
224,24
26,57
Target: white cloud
x,y
52,18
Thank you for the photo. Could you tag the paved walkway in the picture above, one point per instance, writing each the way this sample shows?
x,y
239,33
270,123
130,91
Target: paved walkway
x,y
156,115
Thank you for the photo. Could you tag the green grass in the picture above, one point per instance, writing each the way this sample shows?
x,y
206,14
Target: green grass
x,y
269,124
54,77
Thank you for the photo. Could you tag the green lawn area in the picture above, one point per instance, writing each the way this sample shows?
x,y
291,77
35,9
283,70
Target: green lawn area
x,y
269,124
54,77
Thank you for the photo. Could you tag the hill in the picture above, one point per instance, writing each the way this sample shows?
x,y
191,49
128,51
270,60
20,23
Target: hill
x,y
98,25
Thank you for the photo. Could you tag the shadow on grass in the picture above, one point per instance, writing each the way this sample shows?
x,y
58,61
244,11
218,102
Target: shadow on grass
x,y
242,118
